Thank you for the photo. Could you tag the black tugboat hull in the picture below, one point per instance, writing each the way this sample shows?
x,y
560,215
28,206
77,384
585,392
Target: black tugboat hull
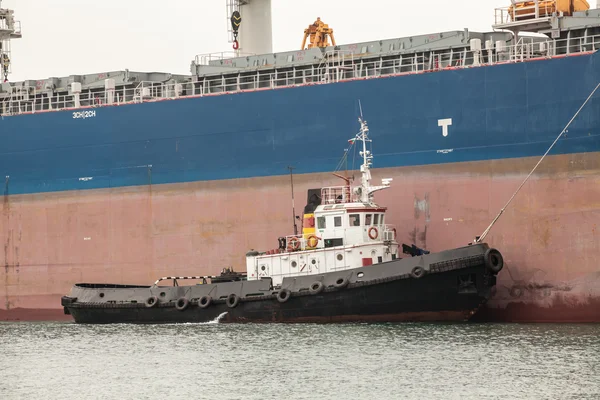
x,y
447,289
431,298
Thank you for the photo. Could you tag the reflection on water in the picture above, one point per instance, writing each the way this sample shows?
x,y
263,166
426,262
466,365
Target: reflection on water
x,y
358,361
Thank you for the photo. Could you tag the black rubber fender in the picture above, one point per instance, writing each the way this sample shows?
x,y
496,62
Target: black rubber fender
x,y
151,301
204,301
182,303
316,287
67,301
493,260
417,272
233,300
284,295
341,283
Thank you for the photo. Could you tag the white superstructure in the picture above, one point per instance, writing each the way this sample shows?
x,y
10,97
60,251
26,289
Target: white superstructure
x,y
348,230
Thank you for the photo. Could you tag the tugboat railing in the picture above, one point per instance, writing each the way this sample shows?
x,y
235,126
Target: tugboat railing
x,y
338,195
176,278
302,242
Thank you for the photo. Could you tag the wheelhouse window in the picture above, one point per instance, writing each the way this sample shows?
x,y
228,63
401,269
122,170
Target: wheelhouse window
x,y
354,219
337,221
381,219
376,219
368,218
320,222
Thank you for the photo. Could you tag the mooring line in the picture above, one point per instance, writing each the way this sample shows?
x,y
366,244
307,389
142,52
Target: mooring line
x,y
484,234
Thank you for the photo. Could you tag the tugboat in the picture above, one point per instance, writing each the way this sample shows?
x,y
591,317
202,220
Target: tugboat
x,y
345,266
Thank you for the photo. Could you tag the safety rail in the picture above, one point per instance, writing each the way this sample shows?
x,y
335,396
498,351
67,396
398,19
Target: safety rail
x,y
338,195
224,273
206,59
524,10
334,63
304,242
176,278
32,99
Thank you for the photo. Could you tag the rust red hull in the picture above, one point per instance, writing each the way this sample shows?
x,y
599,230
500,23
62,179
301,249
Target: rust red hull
x,y
549,236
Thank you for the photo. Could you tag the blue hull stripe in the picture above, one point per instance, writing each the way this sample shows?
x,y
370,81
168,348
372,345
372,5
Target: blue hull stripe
x,y
497,112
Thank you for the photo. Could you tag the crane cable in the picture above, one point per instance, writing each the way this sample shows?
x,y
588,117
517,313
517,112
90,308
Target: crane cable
x,y
485,233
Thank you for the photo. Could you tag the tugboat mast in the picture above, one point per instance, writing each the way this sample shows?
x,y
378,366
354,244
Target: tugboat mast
x,y
365,191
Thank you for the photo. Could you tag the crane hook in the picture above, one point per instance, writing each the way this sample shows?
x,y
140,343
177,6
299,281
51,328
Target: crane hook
x,y
236,44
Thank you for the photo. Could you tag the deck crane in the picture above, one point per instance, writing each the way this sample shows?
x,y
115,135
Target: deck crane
x,y
531,9
319,33
250,26
9,29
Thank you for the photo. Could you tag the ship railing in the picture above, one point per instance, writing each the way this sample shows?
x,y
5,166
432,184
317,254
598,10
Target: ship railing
x,y
206,59
334,63
41,98
147,91
311,241
524,10
338,195
204,279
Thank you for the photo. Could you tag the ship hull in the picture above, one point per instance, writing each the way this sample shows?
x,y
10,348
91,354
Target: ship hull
x,y
453,292
149,191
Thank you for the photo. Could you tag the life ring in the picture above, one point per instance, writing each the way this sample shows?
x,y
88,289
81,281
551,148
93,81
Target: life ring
x,y
316,288
417,272
372,235
313,241
493,260
232,300
293,244
182,303
151,301
284,295
341,283
204,301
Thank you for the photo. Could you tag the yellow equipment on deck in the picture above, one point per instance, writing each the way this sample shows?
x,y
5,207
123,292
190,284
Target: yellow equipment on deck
x,y
319,33
526,10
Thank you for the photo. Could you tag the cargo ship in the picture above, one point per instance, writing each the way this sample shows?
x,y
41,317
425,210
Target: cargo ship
x,y
123,176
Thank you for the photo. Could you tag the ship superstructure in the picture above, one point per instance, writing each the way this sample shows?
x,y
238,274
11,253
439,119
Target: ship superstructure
x,y
343,229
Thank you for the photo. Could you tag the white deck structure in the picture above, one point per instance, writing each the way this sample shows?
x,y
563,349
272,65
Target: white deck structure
x,y
350,232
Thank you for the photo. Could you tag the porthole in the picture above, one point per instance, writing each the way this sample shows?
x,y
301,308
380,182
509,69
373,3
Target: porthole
x,y
294,264
313,262
262,267
340,257
360,274
162,294
101,294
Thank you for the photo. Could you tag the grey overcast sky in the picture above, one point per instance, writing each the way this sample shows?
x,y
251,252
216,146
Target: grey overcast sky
x,y
67,37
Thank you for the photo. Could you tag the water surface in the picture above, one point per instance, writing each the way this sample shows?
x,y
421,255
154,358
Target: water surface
x,y
353,361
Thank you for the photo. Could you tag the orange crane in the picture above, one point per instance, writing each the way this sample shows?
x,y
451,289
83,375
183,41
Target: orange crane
x,y
521,10
319,33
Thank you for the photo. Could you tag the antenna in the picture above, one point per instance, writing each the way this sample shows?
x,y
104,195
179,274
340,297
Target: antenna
x,y
360,107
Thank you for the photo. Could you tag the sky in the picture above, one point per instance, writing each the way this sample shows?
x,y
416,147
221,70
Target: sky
x,y
73,37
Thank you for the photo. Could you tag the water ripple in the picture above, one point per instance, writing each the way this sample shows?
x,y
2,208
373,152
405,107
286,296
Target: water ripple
x,y
357,361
